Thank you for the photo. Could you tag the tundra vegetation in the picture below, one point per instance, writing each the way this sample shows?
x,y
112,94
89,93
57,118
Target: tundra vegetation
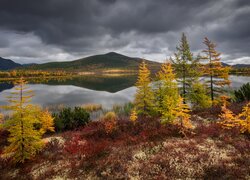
x,y
197,131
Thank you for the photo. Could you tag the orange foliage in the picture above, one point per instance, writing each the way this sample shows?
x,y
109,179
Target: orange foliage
x,y
110,122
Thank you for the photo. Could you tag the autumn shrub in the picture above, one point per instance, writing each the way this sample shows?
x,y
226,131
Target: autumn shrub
x,y
109,120
85,149
212,130
69,119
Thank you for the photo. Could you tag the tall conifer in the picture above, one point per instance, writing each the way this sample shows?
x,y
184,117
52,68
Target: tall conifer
x,y
186,67
218,75
144,94
25,139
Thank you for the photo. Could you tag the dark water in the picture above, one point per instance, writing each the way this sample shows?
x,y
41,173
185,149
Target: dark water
x,y
92,89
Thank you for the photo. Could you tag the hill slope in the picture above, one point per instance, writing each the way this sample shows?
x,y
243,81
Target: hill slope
x,y
7,64
107,61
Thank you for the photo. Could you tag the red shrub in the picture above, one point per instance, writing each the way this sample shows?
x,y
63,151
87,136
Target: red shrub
x,y
212,130
85,148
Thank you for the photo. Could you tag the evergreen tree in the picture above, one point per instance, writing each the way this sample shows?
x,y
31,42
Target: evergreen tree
x,y
25,138
144,94
186,67
218,75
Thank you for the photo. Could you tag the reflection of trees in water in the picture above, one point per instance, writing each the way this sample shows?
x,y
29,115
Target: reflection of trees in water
x,y
5,86
97,82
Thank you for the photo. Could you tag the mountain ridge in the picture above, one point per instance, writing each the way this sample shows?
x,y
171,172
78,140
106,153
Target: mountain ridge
x,y
7,64
108,61
111,60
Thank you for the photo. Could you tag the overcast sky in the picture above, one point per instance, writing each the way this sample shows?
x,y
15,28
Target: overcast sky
x,y
60,30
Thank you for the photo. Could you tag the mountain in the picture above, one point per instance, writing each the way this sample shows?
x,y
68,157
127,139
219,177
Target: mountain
x,y
7,64
236,65
241,66
224,64
109,61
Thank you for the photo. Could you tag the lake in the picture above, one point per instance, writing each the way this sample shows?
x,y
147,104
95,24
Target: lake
x,y
105,90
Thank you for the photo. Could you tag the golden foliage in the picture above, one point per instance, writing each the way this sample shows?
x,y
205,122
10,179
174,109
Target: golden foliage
x,y
47,122
183,116
166,94
219,75
1,120
144,94
229,119
133,116
245,119
25,138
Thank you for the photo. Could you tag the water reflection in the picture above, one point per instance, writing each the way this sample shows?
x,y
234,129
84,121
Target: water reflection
x,y
50,95
106,91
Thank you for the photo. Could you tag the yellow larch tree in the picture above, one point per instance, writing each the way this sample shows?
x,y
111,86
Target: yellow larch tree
x,y
46,121
218,75
167,93
24,139
144,94
228,119
182,114
245,119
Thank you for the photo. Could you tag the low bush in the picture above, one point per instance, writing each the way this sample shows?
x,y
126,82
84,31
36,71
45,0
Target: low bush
x,y
69,119
242,94
109,120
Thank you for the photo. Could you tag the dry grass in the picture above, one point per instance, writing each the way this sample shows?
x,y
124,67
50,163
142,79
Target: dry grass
x,y
92,107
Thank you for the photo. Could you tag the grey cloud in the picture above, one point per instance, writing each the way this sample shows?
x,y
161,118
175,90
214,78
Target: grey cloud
x,y
152,28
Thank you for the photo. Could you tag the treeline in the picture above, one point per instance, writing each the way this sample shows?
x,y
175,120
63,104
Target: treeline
x,y
31,73
240,71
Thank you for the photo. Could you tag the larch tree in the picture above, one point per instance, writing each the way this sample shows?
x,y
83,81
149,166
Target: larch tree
x,y
218,75
186,67
228,119
183,116
245,119
25,139
241,121
167,93
144,94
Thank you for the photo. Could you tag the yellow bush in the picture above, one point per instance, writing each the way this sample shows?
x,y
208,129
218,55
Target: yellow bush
x,y
229,119
133,116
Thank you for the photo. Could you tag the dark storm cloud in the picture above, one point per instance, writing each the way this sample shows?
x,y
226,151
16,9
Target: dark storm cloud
x,y
150,28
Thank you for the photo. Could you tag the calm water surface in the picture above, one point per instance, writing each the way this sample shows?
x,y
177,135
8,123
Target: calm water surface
x,y
83,90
